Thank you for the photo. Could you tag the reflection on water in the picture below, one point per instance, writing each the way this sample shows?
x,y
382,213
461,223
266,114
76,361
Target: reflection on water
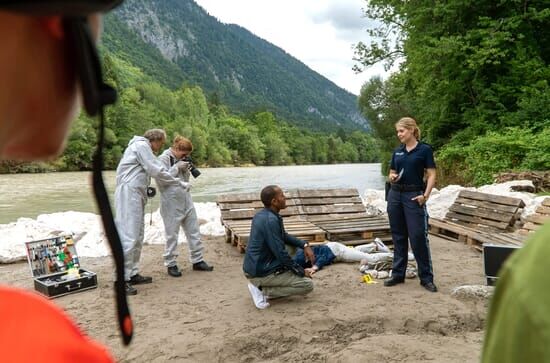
x,y
28,195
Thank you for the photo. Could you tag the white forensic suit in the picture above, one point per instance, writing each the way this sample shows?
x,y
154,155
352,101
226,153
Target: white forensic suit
x,y
372,253
134,172
177,209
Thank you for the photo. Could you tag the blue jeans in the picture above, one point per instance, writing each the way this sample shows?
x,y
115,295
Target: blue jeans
x,y
409,222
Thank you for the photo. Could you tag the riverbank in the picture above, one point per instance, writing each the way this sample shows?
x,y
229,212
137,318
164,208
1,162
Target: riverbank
x,y
210,317
91,242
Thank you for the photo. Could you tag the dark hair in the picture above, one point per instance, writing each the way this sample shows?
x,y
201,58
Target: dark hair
x,y
267,194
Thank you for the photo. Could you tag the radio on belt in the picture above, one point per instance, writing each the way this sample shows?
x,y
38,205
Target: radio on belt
x,y
55,267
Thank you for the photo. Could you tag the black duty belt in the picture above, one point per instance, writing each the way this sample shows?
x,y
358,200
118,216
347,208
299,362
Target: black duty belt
x,y
407,188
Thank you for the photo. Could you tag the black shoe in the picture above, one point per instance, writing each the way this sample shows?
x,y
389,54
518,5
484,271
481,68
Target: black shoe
x,y
430,286
202,266
139,280
174,271
393,281
130,290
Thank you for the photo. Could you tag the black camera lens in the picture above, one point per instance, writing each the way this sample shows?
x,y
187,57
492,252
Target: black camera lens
x,y
195,172
151,192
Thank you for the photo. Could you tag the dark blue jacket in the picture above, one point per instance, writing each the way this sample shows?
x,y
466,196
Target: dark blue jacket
x,y
266,252
323,257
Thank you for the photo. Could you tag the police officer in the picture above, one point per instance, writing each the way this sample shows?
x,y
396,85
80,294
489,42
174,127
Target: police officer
x,y
407,203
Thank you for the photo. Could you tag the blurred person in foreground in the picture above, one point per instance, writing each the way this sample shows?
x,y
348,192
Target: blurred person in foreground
x,y
38,100
518,326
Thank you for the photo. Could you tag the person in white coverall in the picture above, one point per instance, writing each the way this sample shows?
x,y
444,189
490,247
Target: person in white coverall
x,y
177,209
134,172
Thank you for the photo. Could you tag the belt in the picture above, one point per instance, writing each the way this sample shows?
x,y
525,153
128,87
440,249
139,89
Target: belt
x,y
407,188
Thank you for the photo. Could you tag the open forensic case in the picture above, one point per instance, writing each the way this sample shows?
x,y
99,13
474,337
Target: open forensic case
x,y
55,267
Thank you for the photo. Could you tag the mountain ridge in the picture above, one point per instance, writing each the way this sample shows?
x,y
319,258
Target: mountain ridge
x,y
177,42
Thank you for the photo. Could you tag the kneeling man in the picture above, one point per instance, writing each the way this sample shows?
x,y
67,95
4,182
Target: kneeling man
x,y
270,270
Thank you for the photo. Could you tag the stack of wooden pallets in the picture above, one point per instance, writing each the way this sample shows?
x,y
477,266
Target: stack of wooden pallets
x,y
313,215
341,214
237,211
476,218
534,221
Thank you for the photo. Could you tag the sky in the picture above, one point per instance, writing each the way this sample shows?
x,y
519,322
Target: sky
x,y
320,33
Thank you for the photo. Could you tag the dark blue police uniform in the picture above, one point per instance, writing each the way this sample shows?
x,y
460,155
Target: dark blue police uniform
x,y
408,219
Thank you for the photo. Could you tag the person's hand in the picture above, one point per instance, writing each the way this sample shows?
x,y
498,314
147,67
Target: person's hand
x,y
310,256
186,186
182,165
393,176
309,272
421,199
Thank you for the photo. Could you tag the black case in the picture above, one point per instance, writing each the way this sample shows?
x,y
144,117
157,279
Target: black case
x,y
51,272
493,259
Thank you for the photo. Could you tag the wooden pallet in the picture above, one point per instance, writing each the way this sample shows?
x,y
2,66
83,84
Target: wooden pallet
x,y
353,231
487,211
296,227
341,213
476,218
470,236
241,206
312,215
534,221
237,211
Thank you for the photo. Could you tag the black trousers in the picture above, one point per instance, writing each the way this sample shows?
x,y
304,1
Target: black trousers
x,y
409,222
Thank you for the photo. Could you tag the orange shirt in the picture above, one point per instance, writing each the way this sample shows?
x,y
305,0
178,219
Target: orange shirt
x,y
32,329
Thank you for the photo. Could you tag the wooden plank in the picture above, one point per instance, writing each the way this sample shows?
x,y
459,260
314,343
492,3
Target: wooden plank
x,y
250,197
537,219
543,210
239,214
332,217
455,228
330,200
252,204
531,226
357,229
492,198
241,205
475,227
482,213
328,209
249,214
238,197
353,223
476,220
320,193
487,205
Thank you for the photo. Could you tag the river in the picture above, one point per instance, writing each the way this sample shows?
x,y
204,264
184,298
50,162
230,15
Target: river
x,y
29,195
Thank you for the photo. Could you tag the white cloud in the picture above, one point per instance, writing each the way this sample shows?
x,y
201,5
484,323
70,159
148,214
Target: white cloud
x,y
320,33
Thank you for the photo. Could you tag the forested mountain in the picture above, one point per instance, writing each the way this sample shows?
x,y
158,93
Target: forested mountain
x,y
176,41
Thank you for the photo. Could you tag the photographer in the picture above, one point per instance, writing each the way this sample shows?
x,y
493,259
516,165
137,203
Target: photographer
x,y
177,208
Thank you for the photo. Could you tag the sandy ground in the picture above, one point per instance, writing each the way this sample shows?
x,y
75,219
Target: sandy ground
x,y
209,316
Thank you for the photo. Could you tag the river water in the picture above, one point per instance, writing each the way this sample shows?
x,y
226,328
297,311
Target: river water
x,y
29,195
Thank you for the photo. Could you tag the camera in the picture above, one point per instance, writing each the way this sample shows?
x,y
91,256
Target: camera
x,y
194,171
